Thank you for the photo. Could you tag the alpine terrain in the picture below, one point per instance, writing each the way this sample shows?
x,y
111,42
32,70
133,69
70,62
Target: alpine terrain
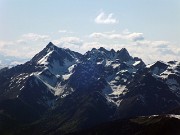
x,y
60,91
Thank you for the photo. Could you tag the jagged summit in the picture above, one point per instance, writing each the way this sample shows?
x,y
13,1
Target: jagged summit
x,y
102,49
112,50
124,55
50,44
51,52
102,53
123,51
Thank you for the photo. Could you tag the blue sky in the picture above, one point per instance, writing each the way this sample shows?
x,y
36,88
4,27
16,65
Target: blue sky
x,y
149,29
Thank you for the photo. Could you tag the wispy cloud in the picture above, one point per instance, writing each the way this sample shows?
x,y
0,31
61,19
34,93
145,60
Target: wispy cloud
x,y
103,18
98,35
36,37
68,40
62,31
19,49
135,36
65,31
27,46
119,36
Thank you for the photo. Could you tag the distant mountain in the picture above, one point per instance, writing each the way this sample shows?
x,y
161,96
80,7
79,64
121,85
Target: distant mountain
x,y
10,61
62,91
2,66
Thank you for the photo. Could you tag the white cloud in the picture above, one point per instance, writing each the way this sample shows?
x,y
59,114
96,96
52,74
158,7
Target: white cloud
x,y
151,51
138,46
98,35
4,43
135,36
36,37
135,43
116,36
65,31
19,48
103,18
62,31
126,31
68,40
128,36
73,43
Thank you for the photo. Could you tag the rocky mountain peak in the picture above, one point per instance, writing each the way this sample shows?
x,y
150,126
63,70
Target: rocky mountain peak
x,y
65,84
124,55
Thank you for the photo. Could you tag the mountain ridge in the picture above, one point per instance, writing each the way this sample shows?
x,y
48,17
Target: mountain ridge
x,y
82,90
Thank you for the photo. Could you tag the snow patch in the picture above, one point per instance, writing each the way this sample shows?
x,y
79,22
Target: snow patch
x,y
174,116
44,59
108,63
117,90
71,68
115,65
66,76
136,63
21,87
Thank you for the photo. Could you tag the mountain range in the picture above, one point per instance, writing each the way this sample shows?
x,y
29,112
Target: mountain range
x,y
10,60
60,91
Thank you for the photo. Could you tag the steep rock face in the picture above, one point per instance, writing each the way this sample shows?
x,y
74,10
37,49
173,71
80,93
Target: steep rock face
x,y
123,55
155,90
